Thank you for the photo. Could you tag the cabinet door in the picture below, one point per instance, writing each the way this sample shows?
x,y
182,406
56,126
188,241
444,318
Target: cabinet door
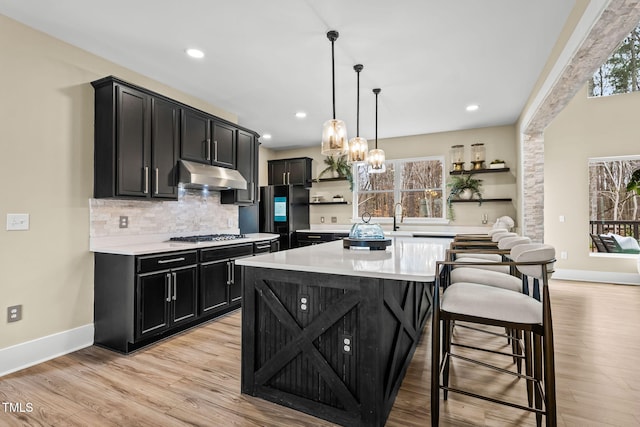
x,y
246,164
235,283
133,142
152,302
184,298
298,172
223,145
195,142
277,172
164,148
214,286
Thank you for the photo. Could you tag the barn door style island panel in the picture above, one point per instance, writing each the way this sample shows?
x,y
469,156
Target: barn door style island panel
x,y
331,331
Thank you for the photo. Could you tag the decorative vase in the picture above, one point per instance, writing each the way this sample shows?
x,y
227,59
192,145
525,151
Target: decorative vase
x,y
466,194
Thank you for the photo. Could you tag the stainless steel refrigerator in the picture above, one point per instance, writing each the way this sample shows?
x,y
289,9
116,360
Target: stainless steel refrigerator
x,y
283,210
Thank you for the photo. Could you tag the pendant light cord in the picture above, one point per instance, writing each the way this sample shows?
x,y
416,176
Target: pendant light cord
x,y
333,79
376,91
358,68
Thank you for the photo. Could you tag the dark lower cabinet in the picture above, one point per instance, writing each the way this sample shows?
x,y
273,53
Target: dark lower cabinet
x,y
165,299
141,299
220,278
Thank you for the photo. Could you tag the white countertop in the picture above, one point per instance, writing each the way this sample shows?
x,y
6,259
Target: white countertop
x,y
151,247
407,258
405,229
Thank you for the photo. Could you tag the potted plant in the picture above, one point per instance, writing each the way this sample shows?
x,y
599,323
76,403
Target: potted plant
x,y
339,168
463,187
634,183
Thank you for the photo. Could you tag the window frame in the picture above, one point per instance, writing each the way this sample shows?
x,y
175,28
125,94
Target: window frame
x,y
397,191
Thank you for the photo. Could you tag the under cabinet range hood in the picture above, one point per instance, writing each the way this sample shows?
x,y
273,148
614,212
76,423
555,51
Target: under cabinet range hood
x,y
198,175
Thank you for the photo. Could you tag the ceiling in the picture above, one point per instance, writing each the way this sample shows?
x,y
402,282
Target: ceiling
x,y
266,60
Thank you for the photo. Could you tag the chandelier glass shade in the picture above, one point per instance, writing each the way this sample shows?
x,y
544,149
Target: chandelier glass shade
x,y
376,156
358,146
334,132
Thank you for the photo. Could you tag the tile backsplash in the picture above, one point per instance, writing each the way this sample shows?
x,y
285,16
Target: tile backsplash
x,y
197,212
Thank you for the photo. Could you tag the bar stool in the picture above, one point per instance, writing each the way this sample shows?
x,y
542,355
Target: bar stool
x,y
490,305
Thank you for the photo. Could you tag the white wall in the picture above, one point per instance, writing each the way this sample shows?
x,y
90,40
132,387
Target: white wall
x,y
587,127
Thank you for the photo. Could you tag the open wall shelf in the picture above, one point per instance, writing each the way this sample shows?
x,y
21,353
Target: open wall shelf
x,y
472,171
483,200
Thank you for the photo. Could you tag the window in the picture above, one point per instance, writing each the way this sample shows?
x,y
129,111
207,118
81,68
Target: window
x,y
621,72
418,184
613,209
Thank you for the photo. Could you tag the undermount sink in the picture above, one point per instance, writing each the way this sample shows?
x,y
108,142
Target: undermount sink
x,y
399,233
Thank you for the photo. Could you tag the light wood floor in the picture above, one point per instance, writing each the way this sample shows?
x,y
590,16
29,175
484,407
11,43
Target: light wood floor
x,y
194,378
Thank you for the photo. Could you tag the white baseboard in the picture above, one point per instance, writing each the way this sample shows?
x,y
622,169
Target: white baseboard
x,y
597,276
40,350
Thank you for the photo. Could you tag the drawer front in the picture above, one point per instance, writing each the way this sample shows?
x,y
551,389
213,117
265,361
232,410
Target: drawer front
x,y
262,247
315,237
149,263
226,252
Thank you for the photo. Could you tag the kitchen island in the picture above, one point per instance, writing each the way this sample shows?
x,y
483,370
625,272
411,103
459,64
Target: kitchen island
x,y
331,331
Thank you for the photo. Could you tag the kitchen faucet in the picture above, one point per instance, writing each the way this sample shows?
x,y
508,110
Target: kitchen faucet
x,y
395,216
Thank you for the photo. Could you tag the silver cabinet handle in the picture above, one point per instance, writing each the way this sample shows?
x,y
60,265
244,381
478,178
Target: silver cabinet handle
x,y
215,150
228,272
314,237
146,179
288,177
175,286
263,247
284,179
165,261
168,280
233,272
208,149
157,180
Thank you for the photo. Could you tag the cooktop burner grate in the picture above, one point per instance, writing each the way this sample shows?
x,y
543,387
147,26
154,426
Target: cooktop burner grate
x,y
207,238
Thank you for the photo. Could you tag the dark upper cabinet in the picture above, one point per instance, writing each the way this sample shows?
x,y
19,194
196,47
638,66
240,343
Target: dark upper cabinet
x,y
223,145
165,134
247,165
140,136
135,143
205,140
195,142
295,171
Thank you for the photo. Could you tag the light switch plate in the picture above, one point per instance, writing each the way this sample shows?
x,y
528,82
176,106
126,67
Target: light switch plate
x,y
17,221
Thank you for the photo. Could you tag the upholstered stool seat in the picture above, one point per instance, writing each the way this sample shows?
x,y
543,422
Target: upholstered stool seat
x,y
473,299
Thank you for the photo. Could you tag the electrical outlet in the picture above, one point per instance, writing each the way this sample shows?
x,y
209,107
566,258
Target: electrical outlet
x,y
334,219
124,222
563,255
229,222
14,313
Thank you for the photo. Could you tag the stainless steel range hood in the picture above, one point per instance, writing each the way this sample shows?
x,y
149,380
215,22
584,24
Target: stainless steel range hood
x,y
197,175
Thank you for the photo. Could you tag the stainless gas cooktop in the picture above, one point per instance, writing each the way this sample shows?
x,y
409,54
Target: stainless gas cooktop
x,y
207,238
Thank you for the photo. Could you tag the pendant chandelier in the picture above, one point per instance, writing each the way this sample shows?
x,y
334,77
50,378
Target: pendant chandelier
x,y
376,156
358,146
334,132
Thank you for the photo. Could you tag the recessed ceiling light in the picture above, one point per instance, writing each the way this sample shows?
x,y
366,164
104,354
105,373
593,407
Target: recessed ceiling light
x,y
473,107
267,136
195,53
301,114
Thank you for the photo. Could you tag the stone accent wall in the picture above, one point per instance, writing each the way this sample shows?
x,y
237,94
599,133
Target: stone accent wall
x,y
195,212
533,191
615,22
